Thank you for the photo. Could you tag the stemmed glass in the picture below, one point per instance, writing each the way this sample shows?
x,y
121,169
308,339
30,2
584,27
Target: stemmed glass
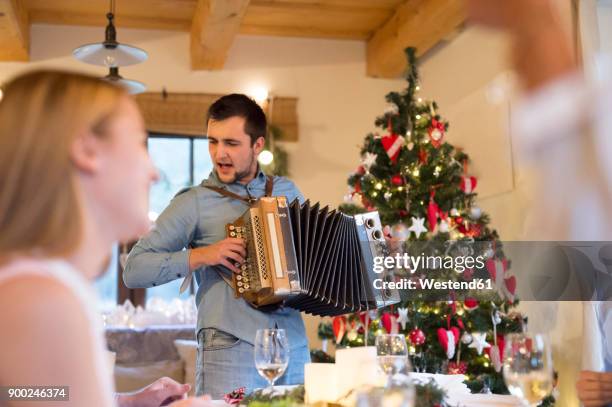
x,y
392,355
528,368
271,354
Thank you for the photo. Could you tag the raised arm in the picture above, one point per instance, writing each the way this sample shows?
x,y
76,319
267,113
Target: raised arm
x,y
159,257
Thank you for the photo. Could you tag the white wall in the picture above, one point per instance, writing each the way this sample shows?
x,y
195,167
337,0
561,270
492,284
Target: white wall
x,y
467,77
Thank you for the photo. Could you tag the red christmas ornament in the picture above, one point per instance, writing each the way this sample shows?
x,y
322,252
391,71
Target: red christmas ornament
x,y
362,318
339,328
403,213
422,156
389,322
436,133
367,204
453,307
448,339
392,144
417,337
475,230
471,230
397,180
361,170
470,304
432,213
459,220
468,184
457,368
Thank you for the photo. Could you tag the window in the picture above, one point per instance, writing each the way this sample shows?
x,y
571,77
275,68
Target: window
x,y
182,161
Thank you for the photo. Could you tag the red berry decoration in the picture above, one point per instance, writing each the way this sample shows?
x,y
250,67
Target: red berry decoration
x,y
397,180
457,368
417,337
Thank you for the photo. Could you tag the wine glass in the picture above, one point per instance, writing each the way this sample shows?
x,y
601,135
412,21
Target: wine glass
x,y
528,370
271,354
392,355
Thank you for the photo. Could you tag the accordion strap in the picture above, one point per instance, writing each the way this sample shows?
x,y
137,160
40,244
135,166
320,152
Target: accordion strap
x,y
249,200
229,194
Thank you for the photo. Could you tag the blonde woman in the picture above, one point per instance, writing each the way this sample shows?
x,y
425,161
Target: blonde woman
x,y
74,178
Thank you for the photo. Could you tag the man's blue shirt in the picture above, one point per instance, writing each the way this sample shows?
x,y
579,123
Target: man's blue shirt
x,y
197,217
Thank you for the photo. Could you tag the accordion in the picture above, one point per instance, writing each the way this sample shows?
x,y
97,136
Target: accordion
x,y
313,259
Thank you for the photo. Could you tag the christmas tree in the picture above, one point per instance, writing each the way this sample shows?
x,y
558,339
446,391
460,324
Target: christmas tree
x,y
421,187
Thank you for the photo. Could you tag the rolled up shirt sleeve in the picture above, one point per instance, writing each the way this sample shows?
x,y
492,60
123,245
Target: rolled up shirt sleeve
x,y
160,256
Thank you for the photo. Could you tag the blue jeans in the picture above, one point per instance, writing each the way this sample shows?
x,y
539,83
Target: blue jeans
x,y
225,363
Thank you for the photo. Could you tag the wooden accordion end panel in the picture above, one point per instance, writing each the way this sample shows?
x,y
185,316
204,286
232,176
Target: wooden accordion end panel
x,y
313,259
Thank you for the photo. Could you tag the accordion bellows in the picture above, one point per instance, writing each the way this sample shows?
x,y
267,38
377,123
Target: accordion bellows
x,y
313,259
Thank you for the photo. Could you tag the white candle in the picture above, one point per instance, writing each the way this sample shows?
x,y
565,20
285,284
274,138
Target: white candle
x,y
320,384
357,367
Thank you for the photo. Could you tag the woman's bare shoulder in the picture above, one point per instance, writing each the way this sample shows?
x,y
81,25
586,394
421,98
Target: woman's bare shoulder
x,y
32,296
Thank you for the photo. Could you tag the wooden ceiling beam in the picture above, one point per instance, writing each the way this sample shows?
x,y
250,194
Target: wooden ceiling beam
x,y
213,29
99,20
304,32
417,23
14,31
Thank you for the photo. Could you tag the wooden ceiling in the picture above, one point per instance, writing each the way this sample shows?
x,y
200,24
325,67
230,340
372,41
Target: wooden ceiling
x,y
388,26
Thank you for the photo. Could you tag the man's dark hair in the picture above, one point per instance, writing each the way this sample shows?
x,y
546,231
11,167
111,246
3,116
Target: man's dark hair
x,y
237,104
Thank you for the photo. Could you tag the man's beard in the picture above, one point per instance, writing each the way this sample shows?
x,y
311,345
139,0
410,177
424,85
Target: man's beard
x,y
238,176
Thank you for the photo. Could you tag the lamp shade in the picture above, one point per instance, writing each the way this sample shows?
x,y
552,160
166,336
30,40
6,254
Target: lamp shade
x,y
110,55
132,86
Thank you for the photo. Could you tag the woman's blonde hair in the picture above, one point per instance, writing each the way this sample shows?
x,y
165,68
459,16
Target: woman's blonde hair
x,y
41,114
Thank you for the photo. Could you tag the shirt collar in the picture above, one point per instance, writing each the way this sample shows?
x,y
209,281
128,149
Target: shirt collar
x,y
213,179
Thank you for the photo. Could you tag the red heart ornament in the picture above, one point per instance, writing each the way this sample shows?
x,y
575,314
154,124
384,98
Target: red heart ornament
x,y
505,283
468,184
339,328
392,144
389,322
448,338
